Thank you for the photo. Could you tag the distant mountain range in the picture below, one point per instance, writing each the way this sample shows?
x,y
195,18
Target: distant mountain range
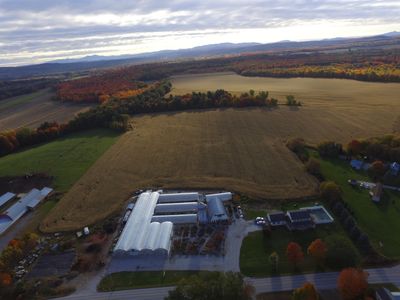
x,y
214,49
208,51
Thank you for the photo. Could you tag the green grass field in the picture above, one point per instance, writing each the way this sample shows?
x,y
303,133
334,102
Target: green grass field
x,y
18,100
256,249
67,158
145,279
380,221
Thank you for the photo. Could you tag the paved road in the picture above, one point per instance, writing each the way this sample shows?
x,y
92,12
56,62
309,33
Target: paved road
x,y
262,285
138,294
321,280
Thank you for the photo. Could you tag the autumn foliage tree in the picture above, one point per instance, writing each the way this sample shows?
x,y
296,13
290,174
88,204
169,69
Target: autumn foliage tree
x,y
294,253
5,279
330,191
306,292
318,250
352,283
377,169
354,147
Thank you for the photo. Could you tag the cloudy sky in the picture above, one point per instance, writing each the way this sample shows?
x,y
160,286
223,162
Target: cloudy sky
x,y
34,31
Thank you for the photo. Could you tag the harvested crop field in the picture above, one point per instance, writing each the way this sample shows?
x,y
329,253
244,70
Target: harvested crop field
x,y
234,149
31,110
336,93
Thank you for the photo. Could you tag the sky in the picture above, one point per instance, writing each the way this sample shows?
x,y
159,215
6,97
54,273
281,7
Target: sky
x,y
36,31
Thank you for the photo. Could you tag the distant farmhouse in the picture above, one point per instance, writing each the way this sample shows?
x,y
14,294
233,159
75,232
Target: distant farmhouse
x,y
394,169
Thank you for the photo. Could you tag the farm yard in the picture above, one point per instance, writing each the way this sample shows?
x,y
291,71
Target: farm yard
x,y
367,213
236,149
31,110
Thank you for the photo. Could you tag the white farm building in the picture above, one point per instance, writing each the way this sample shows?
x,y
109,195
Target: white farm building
x,y
149,224
21,207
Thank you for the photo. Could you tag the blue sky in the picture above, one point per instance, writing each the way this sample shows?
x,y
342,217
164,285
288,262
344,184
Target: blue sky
x,y
43,30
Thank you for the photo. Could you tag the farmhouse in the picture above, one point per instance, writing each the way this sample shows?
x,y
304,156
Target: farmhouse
x,y
302,219
394,169
18,209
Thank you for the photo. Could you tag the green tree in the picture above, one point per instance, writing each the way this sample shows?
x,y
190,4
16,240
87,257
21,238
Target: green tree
x,y
330,191
341,253
313,167
212,286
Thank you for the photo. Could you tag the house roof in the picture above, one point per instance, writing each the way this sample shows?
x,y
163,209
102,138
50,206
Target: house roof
x,y
299,215
6,197
383,294
178,197
176,219
176,207
355,163
395,166
277,217
227,196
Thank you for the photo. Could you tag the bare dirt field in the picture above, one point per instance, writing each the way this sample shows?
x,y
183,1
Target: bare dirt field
x,y
33,109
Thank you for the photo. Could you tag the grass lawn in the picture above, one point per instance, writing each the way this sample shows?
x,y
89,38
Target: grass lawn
x,y
256,249
380,221
251,214
67,158
145,279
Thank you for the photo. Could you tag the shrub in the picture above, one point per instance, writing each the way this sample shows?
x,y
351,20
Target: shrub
x,y
355,233
341,253
330,191
349,223
330,149
313,167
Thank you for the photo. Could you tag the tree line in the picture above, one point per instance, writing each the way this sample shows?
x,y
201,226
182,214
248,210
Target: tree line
x,y
114,114
12,88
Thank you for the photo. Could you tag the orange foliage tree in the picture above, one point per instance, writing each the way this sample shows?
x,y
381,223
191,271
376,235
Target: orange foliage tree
x,y
317,250
352,283
294,253
5,279
354,147
306,292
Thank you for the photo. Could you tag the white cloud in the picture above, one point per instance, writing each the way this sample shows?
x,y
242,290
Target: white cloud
x,y
35,31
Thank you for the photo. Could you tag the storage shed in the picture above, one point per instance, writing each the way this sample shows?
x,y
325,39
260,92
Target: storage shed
x,y
176,219
216,210
178,197
190,207
6,197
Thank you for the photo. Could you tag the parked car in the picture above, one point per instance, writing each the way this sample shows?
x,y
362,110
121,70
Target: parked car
x,y
260,221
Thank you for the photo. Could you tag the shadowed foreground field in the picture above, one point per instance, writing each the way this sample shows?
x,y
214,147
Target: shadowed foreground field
x,y
235,149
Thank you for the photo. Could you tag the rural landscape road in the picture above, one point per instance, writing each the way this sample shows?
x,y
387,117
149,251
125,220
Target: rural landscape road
x,y
262,285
